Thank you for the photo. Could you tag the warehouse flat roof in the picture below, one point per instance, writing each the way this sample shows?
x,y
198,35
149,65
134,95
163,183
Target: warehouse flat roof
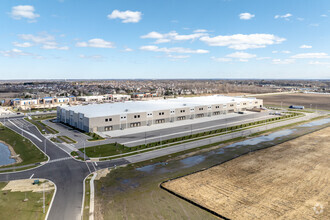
x,y
100,110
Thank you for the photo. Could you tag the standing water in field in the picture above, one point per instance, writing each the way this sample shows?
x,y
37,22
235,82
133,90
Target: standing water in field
x,y
5,155
315,123
236,149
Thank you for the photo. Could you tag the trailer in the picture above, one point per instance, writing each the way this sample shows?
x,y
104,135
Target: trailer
x,y
297,107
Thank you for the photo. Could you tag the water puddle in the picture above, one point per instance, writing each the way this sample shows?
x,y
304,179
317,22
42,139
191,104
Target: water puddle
x,y
191,161
316,123
5,155
264,138
151,167
232,150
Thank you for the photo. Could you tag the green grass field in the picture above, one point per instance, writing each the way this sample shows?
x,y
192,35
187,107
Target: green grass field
x,y
105,149
13,207
66,139
129,194
43,117
28,152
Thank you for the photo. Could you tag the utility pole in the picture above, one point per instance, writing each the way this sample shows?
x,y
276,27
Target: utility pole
x,y
145,138
45,146
226,125
84,150
190,129
43,196
23,132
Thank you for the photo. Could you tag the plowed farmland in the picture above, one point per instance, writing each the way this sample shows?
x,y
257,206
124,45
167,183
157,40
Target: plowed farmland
x,y
287,181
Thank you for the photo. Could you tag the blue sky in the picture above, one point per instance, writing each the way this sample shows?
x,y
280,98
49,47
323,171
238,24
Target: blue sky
x,y
159,39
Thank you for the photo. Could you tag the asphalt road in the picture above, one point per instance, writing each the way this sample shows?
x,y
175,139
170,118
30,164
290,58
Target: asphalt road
x,y
67,174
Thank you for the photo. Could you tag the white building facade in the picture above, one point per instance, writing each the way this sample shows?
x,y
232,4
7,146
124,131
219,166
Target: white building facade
x,y
123,115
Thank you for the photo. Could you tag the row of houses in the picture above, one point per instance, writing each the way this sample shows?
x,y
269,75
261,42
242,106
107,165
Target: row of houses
x,y
52,102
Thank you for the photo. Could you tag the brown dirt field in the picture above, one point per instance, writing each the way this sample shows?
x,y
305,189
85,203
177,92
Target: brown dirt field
x,y
322,101
287,181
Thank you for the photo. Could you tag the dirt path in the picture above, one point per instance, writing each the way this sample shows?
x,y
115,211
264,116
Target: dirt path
x,y
288,181
27,185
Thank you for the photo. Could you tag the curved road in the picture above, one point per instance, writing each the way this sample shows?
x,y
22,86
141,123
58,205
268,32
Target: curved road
x,y
67,173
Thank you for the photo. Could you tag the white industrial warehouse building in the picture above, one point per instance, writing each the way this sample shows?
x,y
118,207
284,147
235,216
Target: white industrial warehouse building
x,y
115,116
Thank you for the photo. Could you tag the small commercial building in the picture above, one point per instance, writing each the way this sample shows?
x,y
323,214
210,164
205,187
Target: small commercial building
x,y
123,115
104,98
46,102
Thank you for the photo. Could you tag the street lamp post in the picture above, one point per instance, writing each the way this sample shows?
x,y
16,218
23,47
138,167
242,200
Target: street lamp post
x,y
45,146
43,197
84,150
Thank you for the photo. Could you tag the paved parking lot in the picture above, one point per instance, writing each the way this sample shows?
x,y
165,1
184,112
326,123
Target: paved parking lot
x,y
148,134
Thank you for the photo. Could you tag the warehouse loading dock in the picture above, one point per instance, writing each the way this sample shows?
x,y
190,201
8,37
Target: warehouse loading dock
x,y
119,116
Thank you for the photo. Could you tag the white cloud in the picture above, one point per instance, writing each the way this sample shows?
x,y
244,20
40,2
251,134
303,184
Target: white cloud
x,y
263,58
178,56
221,59
314,25
246,16
242,41
304,46
311,56
126,16
24,11
173,36
325,16
200,31
241,55
283,61
286,16
96,42
127,49
46,41
318,63
53,47
283,51
173,50
14,53
25,44
238,56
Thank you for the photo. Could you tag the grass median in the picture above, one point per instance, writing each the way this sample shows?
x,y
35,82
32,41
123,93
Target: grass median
x,y
27,151
87,199
13,206
42,127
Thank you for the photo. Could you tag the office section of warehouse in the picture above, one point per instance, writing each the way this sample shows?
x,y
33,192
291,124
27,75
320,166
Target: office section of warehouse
x,y
122,115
